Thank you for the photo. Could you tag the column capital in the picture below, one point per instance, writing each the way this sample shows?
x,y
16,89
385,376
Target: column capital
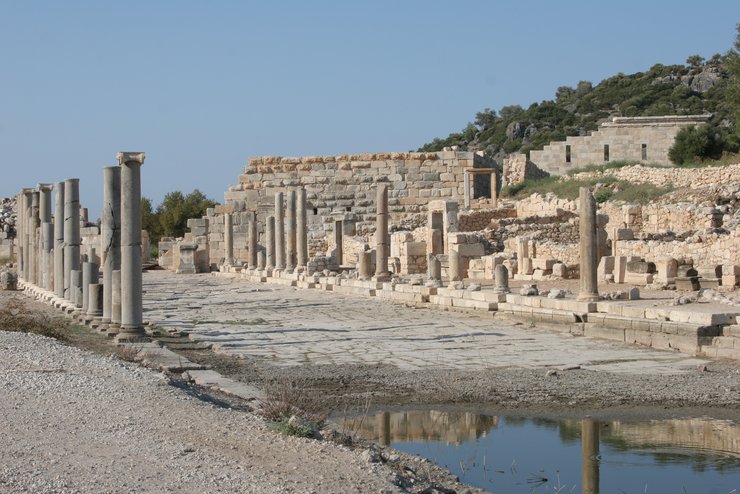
x,y
43,187
27,191
127,156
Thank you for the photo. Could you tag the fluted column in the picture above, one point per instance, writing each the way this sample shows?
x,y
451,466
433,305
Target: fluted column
x,y
301,229
279,231
71,232
132,319
589,290
110,236
382,249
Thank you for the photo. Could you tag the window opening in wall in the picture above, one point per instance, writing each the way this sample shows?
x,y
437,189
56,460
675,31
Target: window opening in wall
x,y
644,151
348,209
315,211
567,153
606,152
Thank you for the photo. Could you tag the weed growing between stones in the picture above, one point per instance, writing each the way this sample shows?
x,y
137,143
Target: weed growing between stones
x,y
16,316
291,409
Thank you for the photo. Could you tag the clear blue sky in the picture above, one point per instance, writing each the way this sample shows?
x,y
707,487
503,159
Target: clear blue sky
x,y
202,85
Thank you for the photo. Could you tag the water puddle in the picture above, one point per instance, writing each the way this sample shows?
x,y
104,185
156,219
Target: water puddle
x,y
515,454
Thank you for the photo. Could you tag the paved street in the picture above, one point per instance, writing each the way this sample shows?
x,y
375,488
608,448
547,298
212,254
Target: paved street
x,y
289,326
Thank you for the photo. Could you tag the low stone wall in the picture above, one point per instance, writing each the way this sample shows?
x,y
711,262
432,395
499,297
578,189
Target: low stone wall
x,y
473,221
678,177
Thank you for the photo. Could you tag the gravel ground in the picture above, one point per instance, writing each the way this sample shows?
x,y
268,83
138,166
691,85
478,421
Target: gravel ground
x,y
73,421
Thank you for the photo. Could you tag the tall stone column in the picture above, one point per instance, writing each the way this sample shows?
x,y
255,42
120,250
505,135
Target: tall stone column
x,y
110,237
252,241
382,242
466,182
290,232
279,231
270,242
301,229
132,319
228,239
34,247
19,231
339,242
47,235
589,290
59,239
71,232
494,190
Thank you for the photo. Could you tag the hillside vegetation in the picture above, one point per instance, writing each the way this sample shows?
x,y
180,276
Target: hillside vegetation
x,y
698,87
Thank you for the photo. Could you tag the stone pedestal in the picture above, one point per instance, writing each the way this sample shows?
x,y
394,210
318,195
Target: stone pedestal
x,y
110,235
588,246
71,231
187,258
132,321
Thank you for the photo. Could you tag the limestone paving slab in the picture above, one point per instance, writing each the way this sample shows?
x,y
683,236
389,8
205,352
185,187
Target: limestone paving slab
x,y
290,326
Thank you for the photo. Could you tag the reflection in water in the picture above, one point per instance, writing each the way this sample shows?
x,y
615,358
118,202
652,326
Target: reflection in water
x,y
510,453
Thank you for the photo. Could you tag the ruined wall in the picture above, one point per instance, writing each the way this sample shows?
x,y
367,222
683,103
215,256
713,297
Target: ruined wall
x,y
645,139
678,177
517,168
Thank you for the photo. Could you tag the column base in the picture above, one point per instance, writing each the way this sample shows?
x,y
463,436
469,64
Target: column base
x,y
128,337
588,297
382,278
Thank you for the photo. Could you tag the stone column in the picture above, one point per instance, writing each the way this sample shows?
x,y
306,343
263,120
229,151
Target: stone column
x,y
434,268
71,232
501,279
270,243
59,239
494,190
290,230
115,304
252,242
261,260
587,228
27,200
338,242
279,231
95,300
228,239
382,242
47,235
110,236
590,456
466,182
301,229
34,247
364,265
89,277
454,267
75,287
47,244
132,320
19,231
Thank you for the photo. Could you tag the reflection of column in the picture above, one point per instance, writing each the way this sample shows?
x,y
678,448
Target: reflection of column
x,y
279,231
110,236
383,426
290,229
381,232
71,232
132,318
590,456
59,239
587,229
301,229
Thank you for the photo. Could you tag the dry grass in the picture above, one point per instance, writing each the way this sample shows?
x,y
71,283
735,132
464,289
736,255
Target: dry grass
x,y
15,315
287,398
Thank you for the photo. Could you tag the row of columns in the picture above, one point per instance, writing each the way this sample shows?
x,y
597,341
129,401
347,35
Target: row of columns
x,y
50,256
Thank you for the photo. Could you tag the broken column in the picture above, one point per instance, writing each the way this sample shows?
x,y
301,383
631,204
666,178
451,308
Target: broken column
x,y
95,300
290,230
59,239
71,232
434,267
501,279
364,266
252,241
301,229
228,239
382,239
110,236
589,290
132,319
89,277
279,232
270,243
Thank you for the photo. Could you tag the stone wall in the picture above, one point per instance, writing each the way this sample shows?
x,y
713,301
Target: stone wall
x,y
678,177
644,139
517,168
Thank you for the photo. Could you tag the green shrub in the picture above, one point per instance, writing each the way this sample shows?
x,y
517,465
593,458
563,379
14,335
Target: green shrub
x,y
697,143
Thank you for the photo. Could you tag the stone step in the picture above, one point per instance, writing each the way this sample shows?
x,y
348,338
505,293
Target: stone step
x,y
562,304
539,313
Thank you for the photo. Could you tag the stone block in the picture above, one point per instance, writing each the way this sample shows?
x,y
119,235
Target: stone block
x,y
606,266
525,266
638,278
560,270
